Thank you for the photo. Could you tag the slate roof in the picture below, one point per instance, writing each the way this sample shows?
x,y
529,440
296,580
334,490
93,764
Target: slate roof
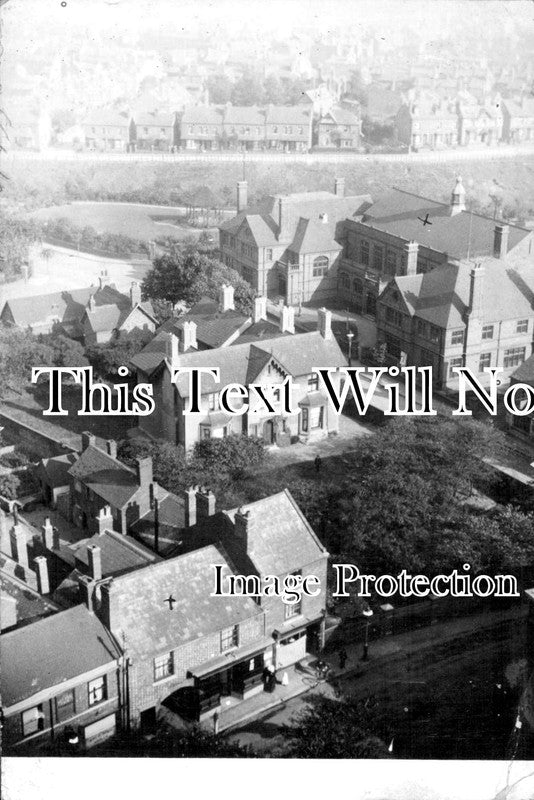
x,y
30,605
118,553
280,539
151,118
111,317
140,612
288,115
263,219
111,480
244,115
297,354
340,116
397,213
51,651
442,295
56,469
203,115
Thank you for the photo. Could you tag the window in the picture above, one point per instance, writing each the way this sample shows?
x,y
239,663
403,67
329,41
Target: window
x,y
163,666
304,420
522,326
229,638
364,252
345,281
294,609
357,287
378,256
434,333
212,401
485,361
32,720
391,262
394,316
457,337
455,362
320,266
65,705
98,690
316,417
269,254
514,357
487,332
313,382
205,432
421,327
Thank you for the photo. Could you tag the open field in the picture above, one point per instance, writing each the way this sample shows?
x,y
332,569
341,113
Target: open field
x,y
47,183
137,221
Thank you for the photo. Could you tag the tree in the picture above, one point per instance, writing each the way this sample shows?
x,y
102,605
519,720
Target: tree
x,y
66,352
9,486
169,463
219,89
232,456
19,352
107,358
16,237
168,742
334,729
248,90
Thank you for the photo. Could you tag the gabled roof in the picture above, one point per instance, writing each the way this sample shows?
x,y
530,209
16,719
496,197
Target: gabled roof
x,y
244,115
341,116
51,651
68,306
56,469
288,115
147,118
314,238
441,296
139,610
298,354
118,553
203,115
109,478
525,372
398,212
280,539
113,316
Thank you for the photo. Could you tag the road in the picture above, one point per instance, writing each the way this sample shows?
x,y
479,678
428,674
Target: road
x,y
439,695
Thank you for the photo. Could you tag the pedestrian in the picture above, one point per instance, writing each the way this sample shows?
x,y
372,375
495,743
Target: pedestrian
x,y
318,463
342,655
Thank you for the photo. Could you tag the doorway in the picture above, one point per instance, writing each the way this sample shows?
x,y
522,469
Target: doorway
x,y
268,432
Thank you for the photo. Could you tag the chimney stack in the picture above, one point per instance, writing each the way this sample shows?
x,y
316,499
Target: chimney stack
x,y
242,195
88,439
476,293
94,557
287,320
411,250
135,294
284,219
47,534
41,568
172,347
205,502
144,471
260,309
500,240
226,297
242,527
103,279
190,506
19,545
189,331
324,320
91,303
86,587
339,187
104,520
111,448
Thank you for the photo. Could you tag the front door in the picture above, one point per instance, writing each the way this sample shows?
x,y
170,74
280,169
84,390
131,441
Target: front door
x,y
268,432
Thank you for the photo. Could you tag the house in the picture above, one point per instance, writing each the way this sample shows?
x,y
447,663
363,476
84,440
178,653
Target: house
x,y
60,681
93,314
475,314
289,128
339,128
100,483
391,239
108,129
244,126
289,246
523,426
29,130
518,120
53,477
479,123
427,122
155,130
267,362
201,128
182,639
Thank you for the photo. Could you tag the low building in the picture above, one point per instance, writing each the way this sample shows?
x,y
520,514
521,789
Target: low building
x,y
289,128
93,314
244,127
108,129
518,120
479,124
155,130
61,683
474,315
53,476
201,128
339,129
427,123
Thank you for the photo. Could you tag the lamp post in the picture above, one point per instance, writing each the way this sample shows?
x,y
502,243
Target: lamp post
x,y
367,613
350,337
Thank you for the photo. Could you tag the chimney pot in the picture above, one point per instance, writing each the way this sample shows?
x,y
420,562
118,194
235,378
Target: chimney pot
x,y
48,534
226,297
94,557
242,527
287,320
135,294
190,506
88,439
412,250
260,309
111,448
500,240
20,545
324,319
205,503
41,568
104,519
144,471
189,331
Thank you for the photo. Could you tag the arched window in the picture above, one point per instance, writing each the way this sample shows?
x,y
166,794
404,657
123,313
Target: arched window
x,y
320,266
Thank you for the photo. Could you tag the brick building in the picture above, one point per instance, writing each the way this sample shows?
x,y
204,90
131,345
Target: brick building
x,y
427,122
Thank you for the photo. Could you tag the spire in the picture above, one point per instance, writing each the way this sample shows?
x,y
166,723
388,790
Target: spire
x,y
457,197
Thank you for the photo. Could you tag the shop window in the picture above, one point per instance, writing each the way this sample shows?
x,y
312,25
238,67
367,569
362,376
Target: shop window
x,y
163,666
32,720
